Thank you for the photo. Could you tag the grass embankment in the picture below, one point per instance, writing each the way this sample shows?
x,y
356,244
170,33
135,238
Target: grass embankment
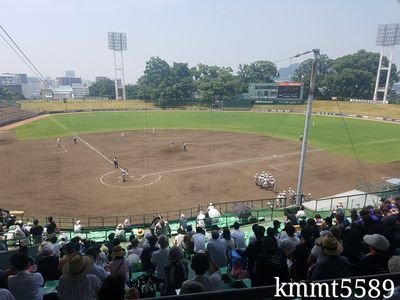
x,y
371,141
71,105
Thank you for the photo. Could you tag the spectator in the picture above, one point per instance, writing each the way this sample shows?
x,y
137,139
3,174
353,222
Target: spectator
x,y
269,264
24,284
238,236
318,220
183,222
76,282
48,264
120,232
199,240
301,213
213,213
226,237
51,227
135,248
36,231
277,227
147,253
376,260
119,265
290,217
102,257
97,270
113,287
200,265
331,264
289,243
176,272
70,249
6,295
159,258
216,249
200,219
253,239
352,247
300,256
163,228
78,226
178,240
254,249
192,287
188,245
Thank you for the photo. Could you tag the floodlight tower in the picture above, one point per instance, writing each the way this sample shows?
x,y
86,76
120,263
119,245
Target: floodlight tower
x,y
388,36
117,43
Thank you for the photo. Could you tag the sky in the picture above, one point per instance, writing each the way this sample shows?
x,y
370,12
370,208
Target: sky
x,y
72,35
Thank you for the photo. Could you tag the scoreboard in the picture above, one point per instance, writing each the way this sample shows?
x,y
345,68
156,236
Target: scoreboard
x,y
289,90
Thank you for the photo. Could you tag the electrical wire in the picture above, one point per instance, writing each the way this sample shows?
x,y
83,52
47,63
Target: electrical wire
x,y
353,147
26,57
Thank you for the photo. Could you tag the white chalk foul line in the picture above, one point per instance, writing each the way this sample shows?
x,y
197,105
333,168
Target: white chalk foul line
x,y
222,164
127,183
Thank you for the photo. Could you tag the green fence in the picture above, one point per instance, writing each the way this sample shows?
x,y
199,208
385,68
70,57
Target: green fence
x,y
259,207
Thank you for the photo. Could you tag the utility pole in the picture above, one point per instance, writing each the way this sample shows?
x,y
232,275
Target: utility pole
x,y
306,126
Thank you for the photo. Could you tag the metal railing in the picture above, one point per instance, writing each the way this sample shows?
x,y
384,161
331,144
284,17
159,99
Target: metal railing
x,y
257,206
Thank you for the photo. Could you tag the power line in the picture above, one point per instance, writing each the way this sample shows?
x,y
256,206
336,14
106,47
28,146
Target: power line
x,y
26,57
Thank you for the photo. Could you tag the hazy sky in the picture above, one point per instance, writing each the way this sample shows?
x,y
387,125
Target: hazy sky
x,y
72,35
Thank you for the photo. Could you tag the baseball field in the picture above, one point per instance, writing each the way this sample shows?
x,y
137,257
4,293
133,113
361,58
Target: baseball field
x,y
224,151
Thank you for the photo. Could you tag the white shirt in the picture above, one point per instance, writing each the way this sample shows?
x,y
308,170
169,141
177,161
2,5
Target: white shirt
x,y
214,213
301,214
199,241
77,228
26,285
239,238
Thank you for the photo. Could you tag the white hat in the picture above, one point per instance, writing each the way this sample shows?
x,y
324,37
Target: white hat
x,y
377,241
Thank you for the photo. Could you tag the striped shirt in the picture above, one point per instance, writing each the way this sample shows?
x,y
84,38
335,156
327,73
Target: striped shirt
x,y
84,289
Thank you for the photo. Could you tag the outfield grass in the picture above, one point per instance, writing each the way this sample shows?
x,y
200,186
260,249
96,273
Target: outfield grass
x,y
378,110
375,142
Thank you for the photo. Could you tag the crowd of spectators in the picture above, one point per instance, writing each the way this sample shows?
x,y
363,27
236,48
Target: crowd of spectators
x,y
303,247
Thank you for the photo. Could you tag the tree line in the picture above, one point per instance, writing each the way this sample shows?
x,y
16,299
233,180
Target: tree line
x,y
349,76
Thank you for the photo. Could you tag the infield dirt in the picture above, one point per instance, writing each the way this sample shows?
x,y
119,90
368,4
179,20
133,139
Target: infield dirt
x,y
79,180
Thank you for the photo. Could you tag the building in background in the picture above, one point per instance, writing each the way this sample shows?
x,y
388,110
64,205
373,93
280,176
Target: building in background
x,y
11,81
80,90
70,74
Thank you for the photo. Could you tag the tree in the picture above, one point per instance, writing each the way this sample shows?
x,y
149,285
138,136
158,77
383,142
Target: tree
x,y
303,74
215,83
103,88
10,94
155,79
349,76
256,72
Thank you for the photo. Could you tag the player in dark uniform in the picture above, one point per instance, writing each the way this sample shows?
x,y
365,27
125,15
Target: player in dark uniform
x,y
115,161
74,138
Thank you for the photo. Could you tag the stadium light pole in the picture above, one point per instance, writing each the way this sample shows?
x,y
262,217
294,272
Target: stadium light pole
x,y
117,43
306,126
388,36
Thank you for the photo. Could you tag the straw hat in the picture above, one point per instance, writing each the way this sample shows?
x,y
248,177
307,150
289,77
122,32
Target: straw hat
x,y
140,233
77,266
331,246
120,226
104,249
